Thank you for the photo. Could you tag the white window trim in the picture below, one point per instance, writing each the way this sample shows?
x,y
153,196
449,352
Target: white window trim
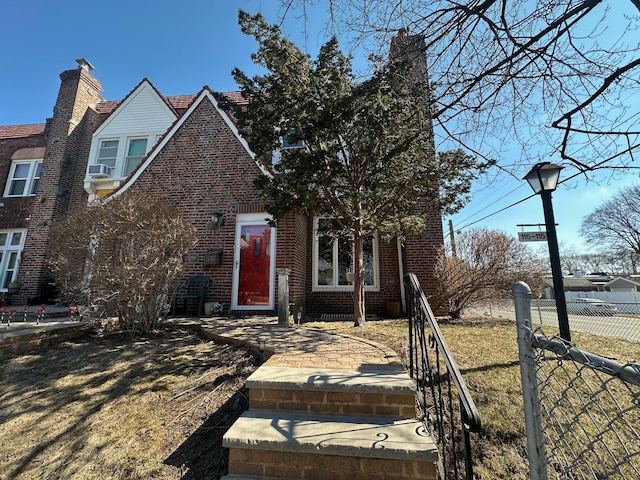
x,y
33,165
121,155
126,153
7,250
342,288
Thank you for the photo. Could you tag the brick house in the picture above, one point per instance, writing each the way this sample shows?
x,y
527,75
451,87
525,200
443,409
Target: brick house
x,y
188,151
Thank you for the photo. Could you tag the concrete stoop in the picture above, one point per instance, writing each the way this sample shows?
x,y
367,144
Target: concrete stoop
x,y
330,424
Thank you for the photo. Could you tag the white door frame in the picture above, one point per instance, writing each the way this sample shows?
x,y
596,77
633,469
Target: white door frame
x,y
244,219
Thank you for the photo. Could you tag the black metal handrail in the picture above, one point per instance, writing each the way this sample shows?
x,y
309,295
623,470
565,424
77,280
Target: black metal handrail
x,y
439,381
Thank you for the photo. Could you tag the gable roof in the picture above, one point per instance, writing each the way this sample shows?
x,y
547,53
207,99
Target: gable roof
x,y
179,103
619,281
206,94
156,105
21,131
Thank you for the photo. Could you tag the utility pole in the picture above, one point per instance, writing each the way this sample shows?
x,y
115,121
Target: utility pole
x,y
452,239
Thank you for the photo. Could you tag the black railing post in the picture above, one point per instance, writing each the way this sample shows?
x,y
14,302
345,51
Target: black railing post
x,y
450,430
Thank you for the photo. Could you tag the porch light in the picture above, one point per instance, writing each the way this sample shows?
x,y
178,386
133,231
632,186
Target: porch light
x,y
217,220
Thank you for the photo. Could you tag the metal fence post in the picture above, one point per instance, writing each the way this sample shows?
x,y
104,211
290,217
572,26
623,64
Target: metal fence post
x,y
532,416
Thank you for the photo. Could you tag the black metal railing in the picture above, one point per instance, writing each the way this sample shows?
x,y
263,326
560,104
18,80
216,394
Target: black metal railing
x,y
445,404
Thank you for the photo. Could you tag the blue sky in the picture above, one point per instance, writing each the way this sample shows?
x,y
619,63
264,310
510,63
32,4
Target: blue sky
x,y
182,46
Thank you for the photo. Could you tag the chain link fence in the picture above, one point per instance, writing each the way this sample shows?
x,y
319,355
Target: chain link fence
x,y
582,410
590,411
621,320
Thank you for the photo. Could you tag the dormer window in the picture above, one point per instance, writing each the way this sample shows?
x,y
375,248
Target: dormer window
x,y
23,178
136,151
118,157
108,152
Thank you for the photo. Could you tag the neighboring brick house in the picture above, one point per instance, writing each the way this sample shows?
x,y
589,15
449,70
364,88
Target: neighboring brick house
x,y
187,151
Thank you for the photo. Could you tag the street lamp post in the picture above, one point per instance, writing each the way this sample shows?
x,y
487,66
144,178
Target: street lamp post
x,y
543,178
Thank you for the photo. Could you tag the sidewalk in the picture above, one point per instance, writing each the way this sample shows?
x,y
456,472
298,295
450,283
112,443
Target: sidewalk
x,y
55,317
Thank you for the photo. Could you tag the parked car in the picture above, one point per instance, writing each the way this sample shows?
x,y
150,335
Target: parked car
x,y
591,306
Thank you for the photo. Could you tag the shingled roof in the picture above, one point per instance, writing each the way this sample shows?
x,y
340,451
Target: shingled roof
x,y
21,131
179,102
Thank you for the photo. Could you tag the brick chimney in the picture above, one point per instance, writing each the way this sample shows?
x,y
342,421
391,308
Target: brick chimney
x,y
68,140
412,49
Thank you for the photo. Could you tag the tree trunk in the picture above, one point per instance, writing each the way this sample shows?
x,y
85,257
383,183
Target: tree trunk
x,y
358,279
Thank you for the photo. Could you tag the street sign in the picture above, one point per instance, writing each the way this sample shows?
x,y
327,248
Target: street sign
x,y
532,236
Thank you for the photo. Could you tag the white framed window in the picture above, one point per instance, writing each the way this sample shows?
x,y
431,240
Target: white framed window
x,y
11,245
287,142
108,152
136,150
333,258
122,155
23,178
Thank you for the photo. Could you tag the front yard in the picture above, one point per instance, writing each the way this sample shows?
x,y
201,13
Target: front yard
x,y
486,352
107,407
157,407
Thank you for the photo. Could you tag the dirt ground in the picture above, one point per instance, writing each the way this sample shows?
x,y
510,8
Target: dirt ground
x,y
109,407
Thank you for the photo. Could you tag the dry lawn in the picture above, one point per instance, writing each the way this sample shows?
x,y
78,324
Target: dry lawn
x,y
156,408
108,407
486,351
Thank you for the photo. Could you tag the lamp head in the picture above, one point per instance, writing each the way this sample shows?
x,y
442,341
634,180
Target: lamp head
x,y
217,220
543,177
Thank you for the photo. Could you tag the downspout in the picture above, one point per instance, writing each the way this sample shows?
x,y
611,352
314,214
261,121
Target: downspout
x,y
403,300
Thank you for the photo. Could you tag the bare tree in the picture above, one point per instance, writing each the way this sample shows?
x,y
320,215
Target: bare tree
x,y
487,264
615,225
560,77
122,258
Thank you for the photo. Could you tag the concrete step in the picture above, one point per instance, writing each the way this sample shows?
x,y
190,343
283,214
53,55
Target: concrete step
x,y
386,393
289,445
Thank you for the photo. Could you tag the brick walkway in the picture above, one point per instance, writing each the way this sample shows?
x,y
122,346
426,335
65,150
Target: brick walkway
x,y
301,347
294,346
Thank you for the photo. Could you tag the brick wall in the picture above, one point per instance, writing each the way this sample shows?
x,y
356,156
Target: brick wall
x,y
204,167
292,253
421,253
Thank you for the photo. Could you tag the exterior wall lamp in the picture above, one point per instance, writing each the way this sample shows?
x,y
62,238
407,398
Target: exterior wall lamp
x,y
217,220
543,178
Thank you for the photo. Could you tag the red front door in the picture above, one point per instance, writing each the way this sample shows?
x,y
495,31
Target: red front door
x,y
254,265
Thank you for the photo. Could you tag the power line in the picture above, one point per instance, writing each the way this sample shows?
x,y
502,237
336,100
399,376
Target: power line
x,y
513,204
497,211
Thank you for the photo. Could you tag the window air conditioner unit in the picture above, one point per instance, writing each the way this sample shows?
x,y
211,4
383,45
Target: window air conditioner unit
x,y
100,170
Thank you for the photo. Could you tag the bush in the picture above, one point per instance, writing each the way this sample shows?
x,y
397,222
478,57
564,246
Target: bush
x,y
121,257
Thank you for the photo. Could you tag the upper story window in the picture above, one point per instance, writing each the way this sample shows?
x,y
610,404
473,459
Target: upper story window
x,y
287,141
333,258
23,178
120,156
108,152
136,150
